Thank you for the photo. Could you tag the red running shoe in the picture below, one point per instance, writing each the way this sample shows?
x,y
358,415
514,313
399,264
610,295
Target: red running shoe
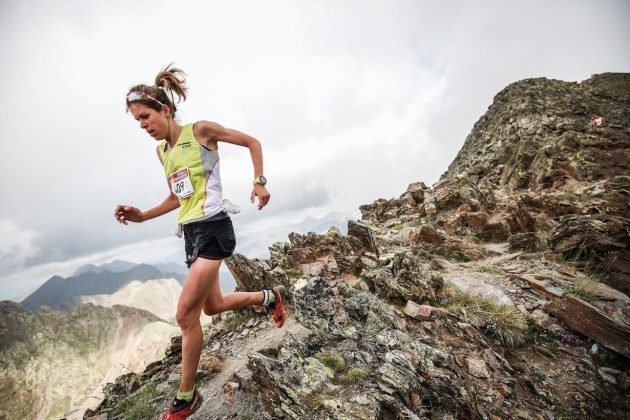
x,y
279,313
181,409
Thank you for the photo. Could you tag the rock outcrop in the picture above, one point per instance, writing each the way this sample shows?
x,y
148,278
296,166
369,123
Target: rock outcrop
x,y
496,293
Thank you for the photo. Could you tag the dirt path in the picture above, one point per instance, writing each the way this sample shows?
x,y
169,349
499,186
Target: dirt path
x,y
234,352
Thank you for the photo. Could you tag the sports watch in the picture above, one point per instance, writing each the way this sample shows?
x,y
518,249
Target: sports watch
x,y
260,180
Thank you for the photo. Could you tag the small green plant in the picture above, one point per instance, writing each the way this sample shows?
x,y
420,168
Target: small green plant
x,y
539,371
355,375
501,321
293,273
248,414
582,288
317,402
234,321
333,361
529,256
136,406
475,239
457,257
490,270
542,241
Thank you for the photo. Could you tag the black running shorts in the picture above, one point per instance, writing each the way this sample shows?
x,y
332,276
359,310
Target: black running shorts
x,y
213,240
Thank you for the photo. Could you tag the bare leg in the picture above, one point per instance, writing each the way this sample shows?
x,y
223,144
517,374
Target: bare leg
x,y
216,303
202,291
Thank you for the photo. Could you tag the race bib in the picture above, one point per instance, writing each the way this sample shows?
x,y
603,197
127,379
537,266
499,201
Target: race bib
x,y
180,184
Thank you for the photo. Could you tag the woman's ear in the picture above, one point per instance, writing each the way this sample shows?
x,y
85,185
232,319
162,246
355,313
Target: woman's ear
x,y
167,110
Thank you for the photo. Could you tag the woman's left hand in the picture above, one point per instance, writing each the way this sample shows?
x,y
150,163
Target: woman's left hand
x,y
263,195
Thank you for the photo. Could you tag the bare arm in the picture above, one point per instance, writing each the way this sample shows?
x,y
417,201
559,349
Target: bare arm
x,y
210,133
126,214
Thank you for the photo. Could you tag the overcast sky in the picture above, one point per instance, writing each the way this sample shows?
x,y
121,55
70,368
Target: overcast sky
x,y
351,100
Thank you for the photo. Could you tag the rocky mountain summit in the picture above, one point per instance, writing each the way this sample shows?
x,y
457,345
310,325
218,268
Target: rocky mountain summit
x,y
498,293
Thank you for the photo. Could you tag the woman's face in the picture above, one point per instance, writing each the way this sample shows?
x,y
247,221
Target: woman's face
x,y
153,122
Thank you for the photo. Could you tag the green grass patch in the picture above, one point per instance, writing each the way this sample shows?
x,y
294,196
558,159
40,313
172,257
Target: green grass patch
x,y
490,270
136,406
582,288
528,256
356,375
457,257
316,403
333,361
542,241
293,273
497,320
234,321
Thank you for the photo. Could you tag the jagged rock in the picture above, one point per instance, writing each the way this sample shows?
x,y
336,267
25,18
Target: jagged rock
x,y
598,239
364,233
448,197
345,250
512,220
406,280
522,242
476,220
429,235
255,275
416,191
278,254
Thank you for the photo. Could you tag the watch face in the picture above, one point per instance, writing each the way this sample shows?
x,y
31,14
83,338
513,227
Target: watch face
x,y
263,180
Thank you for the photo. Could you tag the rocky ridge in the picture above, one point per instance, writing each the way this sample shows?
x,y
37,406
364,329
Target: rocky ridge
x,y
497,293
54,363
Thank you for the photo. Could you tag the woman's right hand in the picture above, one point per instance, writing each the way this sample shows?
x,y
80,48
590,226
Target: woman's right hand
x,y
126,214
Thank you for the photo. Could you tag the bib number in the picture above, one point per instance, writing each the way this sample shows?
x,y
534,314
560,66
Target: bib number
x,y
180,184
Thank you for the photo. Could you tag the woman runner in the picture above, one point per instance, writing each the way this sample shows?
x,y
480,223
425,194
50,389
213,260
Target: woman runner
x,y
189,155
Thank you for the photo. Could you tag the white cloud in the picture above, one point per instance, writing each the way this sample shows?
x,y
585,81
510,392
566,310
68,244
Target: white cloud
x,y
16,246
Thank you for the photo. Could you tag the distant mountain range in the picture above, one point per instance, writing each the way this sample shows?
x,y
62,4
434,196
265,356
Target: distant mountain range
x,y
57,292
119,282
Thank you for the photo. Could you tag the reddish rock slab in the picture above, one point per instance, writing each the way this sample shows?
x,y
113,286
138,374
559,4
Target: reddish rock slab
x,y
420,312
587,319
584,317
429,235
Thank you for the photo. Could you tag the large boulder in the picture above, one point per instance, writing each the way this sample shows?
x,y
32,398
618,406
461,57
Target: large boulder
x,y
346,251
253,275
406,279
363,232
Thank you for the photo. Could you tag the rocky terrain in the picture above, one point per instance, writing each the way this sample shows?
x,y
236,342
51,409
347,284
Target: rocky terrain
x,y
54,364
498,293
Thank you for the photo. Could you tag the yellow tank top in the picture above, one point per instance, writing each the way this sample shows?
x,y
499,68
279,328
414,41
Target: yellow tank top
x,y
193,174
